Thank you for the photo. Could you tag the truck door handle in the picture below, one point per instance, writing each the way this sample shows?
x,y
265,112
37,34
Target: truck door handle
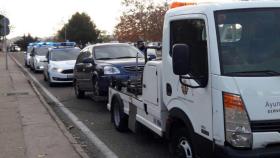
x,y
168,89
146,109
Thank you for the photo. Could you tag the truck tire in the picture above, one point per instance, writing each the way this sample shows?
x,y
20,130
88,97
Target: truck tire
x,y
79,93
181,144
119,118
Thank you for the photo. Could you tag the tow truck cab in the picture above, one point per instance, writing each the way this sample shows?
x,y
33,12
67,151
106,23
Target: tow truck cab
x,y
216,92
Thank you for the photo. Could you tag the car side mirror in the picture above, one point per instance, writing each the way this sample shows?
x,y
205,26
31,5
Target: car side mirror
x,y
88,61
181,59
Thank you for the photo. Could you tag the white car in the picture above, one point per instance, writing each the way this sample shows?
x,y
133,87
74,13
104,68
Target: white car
x,y
38,57
60,64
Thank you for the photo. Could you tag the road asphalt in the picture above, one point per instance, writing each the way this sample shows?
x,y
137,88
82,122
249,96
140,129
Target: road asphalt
x,y
97,118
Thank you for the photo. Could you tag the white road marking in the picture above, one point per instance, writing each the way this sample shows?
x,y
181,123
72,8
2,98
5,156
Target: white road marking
x,y
90,135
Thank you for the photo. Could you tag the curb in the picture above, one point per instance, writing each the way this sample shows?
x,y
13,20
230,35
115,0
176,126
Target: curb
x,y
106,152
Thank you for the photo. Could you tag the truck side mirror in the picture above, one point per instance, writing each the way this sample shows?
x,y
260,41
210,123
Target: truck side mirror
x,y
181,59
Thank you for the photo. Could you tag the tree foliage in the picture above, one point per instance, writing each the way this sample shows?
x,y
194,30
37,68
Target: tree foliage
x,y
105,37
141,20
79,29
24,41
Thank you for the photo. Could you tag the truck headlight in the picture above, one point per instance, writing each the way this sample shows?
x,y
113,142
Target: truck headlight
x,y
237,127
110,70
57,69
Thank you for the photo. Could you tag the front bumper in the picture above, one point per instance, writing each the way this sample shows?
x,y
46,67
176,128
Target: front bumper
x,y
57,77
39,66
228,152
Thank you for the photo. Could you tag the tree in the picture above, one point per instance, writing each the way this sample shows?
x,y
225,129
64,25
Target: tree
x,y
79,29
142,19
105,37
25,40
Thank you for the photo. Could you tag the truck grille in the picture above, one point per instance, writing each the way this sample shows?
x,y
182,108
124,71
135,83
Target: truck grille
x,y
134,68
265,126
69,71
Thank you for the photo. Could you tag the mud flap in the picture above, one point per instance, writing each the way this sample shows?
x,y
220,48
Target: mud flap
x,y
132,123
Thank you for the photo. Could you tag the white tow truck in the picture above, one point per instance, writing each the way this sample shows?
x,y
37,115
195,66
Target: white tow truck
x,y
216,92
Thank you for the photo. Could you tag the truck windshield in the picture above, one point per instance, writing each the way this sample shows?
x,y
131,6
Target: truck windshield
x,y
64,54
249,41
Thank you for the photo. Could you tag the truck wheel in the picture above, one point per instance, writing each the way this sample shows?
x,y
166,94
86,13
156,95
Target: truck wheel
x,y
119,118
79,93
181,145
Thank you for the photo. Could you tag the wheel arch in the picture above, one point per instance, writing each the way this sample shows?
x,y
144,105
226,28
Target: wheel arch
x,y
177,118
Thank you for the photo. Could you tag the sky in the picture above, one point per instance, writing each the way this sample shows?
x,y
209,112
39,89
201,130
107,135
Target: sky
x,y
43,18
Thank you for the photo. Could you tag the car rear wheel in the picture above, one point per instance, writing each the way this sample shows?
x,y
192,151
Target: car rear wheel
x,y
79,93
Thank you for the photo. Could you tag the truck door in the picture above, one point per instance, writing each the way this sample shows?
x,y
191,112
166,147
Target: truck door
x,y
192,100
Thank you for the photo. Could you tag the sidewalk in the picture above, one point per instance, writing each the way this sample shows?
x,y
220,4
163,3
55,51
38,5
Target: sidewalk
x,y
26,128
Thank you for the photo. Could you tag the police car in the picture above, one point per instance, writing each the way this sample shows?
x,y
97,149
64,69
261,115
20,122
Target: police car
x,y
38,55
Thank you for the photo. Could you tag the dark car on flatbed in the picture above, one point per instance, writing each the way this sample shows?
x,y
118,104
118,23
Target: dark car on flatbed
x,y
99,64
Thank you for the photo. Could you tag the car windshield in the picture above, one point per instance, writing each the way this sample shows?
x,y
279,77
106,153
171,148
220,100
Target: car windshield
x,y
248,41
64,54
41,51
116,52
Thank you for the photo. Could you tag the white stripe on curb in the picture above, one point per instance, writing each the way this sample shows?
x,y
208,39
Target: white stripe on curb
x,y
91,136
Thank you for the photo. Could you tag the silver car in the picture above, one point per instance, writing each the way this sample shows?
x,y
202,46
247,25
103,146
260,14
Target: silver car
x,y
38,57
27,56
